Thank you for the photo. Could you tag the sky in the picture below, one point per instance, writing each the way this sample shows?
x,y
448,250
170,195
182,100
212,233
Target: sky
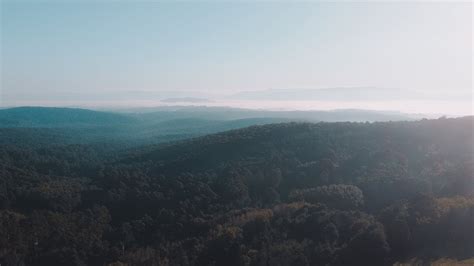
x,y
84,52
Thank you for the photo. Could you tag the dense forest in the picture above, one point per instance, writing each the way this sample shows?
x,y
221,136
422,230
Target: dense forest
x,y
133,127
345,193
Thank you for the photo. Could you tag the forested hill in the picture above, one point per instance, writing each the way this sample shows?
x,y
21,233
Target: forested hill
x,y
40,126
305,142
58,117
279,194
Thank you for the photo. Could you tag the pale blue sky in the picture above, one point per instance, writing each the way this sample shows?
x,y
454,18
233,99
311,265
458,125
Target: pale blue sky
x,y
111,47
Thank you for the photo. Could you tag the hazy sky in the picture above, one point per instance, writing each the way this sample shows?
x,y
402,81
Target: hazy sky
x,y
83,47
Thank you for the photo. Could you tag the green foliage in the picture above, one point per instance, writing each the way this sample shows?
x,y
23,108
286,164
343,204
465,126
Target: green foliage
x,y
280,194
336,196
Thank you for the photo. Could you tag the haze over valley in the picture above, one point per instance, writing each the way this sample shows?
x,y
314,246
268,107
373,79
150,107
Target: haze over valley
x,y
324,99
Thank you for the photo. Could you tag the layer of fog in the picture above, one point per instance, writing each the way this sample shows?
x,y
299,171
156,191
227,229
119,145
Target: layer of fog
x,y
365,98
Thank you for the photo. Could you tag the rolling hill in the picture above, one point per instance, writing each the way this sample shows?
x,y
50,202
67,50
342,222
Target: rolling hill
x,y
40,125
286,193
59,117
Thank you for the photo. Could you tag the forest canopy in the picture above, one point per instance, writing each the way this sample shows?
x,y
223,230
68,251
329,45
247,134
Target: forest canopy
x,y
277,194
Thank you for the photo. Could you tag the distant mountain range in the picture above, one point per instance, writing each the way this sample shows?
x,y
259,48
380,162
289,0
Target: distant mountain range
x,y
373,98
185,100
346,94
